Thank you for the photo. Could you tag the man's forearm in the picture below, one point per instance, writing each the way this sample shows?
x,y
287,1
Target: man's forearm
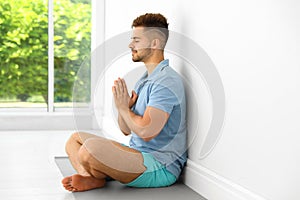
x,y
123,126
133,122
147,126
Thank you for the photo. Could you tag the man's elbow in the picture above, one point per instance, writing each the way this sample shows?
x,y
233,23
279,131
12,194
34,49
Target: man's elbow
x,y
147,135
125,132
147,139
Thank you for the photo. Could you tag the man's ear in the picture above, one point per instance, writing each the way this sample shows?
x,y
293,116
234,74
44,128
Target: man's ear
x,y
155,44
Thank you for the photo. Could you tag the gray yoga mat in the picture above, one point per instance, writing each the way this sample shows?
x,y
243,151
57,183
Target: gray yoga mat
x,y
115,190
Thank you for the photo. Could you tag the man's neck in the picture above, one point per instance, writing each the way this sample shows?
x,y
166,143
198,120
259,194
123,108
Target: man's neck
x,y
152,63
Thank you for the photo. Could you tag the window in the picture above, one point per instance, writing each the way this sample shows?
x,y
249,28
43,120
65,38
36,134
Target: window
x,y
72,47
42,46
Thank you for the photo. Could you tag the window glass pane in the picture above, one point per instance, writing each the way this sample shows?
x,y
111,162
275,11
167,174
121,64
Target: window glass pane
x,y
72,46
23,53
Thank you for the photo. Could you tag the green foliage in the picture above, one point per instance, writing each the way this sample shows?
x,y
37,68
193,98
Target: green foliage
x,y
24,47
72,21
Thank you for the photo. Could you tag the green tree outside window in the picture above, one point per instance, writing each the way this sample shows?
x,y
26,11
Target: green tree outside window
x,y
24,48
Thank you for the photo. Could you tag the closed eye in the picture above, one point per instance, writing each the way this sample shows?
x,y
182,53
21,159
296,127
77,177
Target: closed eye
x,y
135,39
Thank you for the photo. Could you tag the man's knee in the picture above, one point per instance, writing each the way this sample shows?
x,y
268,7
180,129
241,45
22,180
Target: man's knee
x,y
74,138
93,149
84,155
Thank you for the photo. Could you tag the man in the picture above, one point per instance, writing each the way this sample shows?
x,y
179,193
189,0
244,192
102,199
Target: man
x,y
154,116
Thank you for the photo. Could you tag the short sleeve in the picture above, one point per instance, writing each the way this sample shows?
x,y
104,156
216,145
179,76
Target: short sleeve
x,y
162,98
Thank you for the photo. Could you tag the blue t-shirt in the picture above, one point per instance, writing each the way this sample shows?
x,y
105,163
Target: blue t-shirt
x,y
163,89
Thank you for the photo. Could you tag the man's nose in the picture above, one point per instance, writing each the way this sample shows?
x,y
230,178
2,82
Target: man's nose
x,y
130,45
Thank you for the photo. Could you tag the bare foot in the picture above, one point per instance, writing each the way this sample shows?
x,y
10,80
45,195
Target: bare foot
x,y
79,183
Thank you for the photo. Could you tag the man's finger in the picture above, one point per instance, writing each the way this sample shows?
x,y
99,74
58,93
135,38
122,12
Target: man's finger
x,y
124,85
113,89
121,87
134,96
118,88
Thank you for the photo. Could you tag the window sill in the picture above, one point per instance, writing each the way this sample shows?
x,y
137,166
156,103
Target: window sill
x,y
46,120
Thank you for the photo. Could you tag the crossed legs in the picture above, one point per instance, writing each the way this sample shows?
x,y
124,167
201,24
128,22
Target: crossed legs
x,y
94,158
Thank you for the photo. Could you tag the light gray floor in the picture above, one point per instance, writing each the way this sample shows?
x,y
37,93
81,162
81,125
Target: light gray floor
x,y
115,190
28,171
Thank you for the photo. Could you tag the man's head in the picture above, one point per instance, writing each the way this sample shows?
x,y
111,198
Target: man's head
x,y
150,32
154,23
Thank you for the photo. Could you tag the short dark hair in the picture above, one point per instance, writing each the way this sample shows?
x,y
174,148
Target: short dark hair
x,y
153,20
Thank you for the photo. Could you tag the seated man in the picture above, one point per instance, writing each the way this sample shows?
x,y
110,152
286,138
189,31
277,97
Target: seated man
x,y
154,116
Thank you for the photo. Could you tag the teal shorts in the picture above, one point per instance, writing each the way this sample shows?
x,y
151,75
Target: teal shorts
x,y
156,174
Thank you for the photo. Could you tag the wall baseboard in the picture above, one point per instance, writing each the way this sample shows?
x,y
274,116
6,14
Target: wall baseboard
x,y
213,186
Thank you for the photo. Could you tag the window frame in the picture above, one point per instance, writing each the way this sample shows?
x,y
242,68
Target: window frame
x,y
44,118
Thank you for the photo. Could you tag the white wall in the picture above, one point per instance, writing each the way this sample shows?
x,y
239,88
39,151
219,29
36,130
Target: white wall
x,y
255,46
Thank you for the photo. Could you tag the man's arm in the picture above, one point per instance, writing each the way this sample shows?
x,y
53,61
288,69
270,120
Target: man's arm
x,y
123,126
147,126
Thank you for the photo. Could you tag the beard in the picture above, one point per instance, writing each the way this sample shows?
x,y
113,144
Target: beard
x,y
140,55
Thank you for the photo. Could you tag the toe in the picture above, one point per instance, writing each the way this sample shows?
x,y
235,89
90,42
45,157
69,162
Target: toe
x,y
74,190
67,184
67,180
70,188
